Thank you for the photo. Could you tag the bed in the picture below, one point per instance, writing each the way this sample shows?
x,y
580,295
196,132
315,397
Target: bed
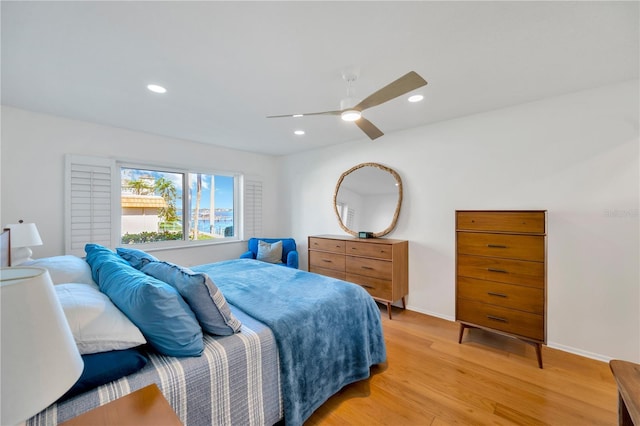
x,y
302,338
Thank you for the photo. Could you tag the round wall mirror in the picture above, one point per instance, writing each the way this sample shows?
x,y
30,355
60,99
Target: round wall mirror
x,y
368,199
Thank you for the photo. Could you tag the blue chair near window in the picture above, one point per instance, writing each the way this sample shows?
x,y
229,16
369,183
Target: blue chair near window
x,y
289,251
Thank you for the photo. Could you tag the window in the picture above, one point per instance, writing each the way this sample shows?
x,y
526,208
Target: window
x,y
100,206
212,206
156,207
151,205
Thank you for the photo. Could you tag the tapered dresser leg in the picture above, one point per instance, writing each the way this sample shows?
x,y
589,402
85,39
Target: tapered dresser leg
x,y
389,309
539,354
462,327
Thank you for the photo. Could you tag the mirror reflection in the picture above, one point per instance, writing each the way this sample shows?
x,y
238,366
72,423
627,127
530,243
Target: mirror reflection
x,y
368,198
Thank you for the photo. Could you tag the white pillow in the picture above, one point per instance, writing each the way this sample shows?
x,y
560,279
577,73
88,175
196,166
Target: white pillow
x,y
96,323
271,253
64,269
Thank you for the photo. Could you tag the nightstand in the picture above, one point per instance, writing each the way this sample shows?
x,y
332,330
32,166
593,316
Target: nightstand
x,y
627,375
144,407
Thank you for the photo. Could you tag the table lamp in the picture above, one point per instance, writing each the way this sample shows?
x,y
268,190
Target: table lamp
x,y
39,357
23,236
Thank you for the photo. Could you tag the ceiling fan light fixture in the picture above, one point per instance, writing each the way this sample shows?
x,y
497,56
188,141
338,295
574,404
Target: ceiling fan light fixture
x,y
156,88
351,115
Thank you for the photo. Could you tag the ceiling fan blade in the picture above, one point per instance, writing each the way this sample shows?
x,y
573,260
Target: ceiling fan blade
x,y
366,126
404,84
308,113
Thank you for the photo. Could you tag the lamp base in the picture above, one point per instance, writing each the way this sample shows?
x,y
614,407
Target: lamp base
x,y
20,255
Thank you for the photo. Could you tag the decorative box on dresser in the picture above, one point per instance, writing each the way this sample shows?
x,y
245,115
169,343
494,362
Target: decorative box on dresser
x,y
380,265
501,270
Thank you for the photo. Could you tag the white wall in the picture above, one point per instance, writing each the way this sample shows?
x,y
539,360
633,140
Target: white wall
x,y
32,174
575,156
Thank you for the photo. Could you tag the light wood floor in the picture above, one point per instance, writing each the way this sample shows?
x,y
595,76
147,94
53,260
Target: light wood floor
x,y
430,379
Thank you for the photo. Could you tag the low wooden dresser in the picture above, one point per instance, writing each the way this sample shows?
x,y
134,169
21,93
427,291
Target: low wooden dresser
x,y
501,273
380,265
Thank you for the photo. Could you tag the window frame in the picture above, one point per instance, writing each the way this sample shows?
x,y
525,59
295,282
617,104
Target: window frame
x,y
186,205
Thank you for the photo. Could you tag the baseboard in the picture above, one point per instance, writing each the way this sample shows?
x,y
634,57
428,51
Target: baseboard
x,y
564,348
432,314
586,354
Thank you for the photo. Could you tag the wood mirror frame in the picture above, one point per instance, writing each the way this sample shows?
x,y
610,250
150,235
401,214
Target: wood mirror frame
x,y
396,213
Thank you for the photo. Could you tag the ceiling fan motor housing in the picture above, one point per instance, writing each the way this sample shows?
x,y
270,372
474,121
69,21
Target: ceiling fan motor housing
x,y
348,103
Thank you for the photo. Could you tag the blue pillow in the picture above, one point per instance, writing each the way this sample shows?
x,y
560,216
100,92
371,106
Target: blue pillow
x,y
205,299
156,308
136,258
104,367
96,255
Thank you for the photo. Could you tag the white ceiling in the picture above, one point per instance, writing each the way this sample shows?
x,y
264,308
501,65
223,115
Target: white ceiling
x,y
227,65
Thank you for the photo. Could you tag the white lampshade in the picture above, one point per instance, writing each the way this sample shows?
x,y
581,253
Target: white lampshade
x,y
39,357
23,236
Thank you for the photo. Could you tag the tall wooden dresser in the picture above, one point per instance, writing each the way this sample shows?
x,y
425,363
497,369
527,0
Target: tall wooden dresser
x,y
501,269
380,265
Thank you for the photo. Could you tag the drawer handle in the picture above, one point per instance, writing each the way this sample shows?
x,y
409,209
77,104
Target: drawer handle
x,y
367,267
366,286
491,293
326,260
496,246
502,271
491,317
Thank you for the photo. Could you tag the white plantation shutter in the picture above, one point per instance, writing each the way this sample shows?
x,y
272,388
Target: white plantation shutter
x,y
350,216
89,203
252,208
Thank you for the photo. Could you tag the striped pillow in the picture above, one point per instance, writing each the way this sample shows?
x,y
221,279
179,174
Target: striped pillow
x,y
203,296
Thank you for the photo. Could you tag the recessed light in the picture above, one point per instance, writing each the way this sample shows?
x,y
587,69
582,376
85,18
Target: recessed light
x,y
156,89
416,98
298,115
299,132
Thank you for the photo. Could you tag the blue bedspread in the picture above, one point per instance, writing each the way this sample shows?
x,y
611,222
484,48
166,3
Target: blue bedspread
x,y
328,331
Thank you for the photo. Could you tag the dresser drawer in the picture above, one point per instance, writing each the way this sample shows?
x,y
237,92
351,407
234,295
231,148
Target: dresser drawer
x,y
340,275
379,251
502,221
528,299
525,247
523,324
326,244
369,267
502,270
325,260
377,288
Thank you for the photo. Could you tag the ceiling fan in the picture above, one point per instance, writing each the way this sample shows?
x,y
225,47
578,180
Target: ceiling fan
x,y
351,108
